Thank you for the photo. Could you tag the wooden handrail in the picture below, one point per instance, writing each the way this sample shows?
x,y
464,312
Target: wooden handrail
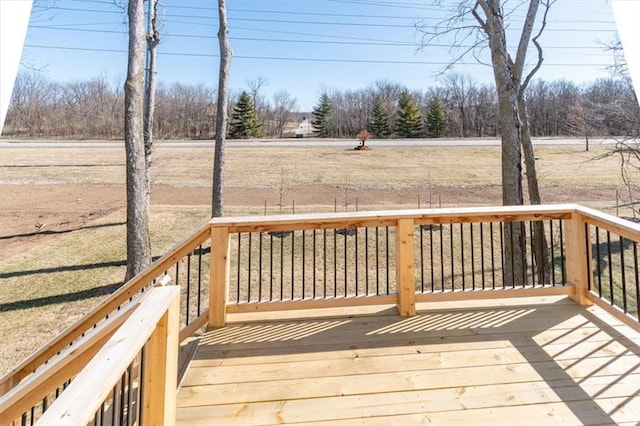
x,y
622,227
63,367
390,218
97,314
155,320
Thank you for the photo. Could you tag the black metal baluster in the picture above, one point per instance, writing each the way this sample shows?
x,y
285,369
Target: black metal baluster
x,y
304,238
637,277
503,256
122,399
513,259
199,279
260,268
188,289
562,254
239,267
356,253
623,275
345,261
282,267
335,264
522,233
249,268
377,264
533,262
270,267
587,234
451,255
324,241
431,257
473,266
129,395
482,252
462,254
441,258
598,261
421,258
177,276
366,260
314,264
553,254
387,248
114,405
293,254
141,389
610,268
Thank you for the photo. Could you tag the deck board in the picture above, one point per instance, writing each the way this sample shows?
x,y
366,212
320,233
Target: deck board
x,y
548,361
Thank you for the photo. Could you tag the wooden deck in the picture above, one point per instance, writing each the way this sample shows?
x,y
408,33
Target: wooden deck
x,y
528,361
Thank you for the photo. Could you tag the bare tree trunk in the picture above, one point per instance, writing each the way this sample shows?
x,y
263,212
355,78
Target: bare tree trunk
x,y
138,244
539,239
541,254
226,53
507,85
153,39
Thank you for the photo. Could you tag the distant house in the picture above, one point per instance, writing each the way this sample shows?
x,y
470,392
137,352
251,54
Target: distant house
x,y
305,128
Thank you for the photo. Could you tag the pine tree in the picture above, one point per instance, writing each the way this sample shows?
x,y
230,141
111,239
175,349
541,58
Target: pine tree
x,y
379,125
409,121
323,121
436,119
244,121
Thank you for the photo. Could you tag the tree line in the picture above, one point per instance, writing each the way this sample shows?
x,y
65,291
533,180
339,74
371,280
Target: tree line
x,y
457,107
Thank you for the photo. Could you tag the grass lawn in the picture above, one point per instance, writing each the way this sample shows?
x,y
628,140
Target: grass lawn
x,y
47,286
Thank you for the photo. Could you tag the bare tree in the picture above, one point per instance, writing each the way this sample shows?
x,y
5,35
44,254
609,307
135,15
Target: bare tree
x,y
510,80
283,107
138,244
153,39
222,113
627,147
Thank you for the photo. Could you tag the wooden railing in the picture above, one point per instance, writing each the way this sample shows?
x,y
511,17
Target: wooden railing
x,y
132,379
401,257
240,265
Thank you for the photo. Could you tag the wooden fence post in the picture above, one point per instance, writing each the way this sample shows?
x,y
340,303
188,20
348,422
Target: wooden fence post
x,y
219,276
161,369
578,260
405,268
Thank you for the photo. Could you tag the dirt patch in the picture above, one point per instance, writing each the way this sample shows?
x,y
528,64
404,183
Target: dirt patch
x,y
33,213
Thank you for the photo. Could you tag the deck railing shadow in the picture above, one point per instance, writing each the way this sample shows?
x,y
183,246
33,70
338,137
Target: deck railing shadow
x,y
519,326
386,266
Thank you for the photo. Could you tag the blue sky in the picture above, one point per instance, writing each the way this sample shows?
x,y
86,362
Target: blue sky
x,y
330,44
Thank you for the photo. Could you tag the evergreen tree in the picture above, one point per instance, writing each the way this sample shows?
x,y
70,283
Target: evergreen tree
x,y
379,125
323,121
244,121
436,119
409,121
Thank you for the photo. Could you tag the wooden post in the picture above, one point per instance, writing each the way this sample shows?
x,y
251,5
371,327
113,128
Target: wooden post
x,y
218,277
405,265
578,261
161,369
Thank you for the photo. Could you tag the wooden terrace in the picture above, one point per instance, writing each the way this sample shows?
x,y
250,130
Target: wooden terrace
x,y
498,315
518,361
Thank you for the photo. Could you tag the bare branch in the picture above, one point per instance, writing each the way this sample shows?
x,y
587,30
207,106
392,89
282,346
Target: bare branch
x,y
525,37
547,5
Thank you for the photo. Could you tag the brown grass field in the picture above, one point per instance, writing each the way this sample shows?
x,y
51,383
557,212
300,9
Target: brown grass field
x,y
62,243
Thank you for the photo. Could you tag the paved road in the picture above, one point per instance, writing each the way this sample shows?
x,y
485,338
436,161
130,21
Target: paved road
x,y
283,143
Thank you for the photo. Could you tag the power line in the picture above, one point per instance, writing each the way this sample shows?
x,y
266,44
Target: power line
x,y
294,59
300,22
299,41
287,12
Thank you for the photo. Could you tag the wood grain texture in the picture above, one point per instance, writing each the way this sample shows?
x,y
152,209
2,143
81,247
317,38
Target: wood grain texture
x,y
78,403
541,359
